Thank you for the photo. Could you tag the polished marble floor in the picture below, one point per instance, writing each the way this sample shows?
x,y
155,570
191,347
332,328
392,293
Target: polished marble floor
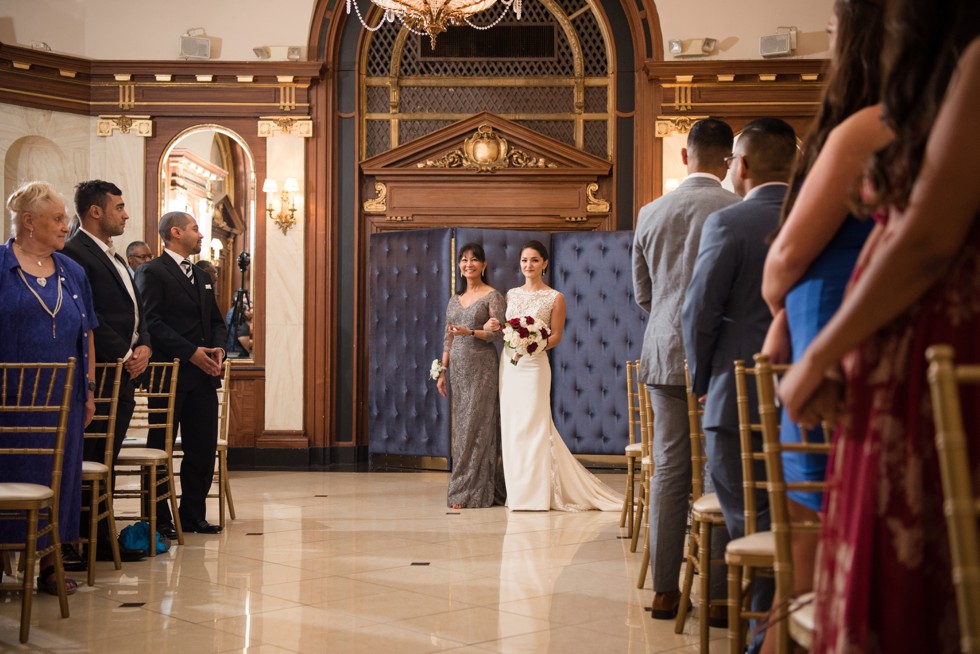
x,y
367,562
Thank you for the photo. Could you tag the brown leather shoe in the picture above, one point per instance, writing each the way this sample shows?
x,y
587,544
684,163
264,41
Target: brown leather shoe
x,y
718,616
665,605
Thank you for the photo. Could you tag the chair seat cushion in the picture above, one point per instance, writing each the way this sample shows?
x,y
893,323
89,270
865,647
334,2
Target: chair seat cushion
x,y
94,468
136,455
759,544
20,492
707,504
801,621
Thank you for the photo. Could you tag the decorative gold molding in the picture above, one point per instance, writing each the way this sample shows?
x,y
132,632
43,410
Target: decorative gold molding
x,y
294,126
486,151
595,204
138,125
399,219
576,219
378,204
667,125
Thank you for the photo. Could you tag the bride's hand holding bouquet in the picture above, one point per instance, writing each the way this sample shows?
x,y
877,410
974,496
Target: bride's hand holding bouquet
x,y
525,335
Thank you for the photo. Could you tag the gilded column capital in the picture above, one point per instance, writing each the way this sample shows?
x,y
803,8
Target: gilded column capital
x,y
667,125
138,125
287,125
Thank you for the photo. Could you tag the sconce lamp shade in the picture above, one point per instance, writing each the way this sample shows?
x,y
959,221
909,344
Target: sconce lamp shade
x,y
290,185
270,186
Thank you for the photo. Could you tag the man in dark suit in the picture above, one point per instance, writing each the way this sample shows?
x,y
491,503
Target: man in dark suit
x,y
186,324
665,246
724,316
122,332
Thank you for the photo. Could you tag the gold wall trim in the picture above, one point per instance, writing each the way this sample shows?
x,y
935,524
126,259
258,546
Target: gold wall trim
x,y
379,203
486,151
137,125
287,125
594,203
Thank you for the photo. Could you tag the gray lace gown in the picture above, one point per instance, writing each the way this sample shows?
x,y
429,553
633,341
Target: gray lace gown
x,y
477,478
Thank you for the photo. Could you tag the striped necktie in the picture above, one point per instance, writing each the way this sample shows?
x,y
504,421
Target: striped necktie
x,y
186,265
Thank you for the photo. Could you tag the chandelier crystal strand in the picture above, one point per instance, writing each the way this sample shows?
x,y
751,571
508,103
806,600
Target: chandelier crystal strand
x,y
432,17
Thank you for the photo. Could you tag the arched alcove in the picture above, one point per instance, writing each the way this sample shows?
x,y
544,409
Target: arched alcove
x,y
35,158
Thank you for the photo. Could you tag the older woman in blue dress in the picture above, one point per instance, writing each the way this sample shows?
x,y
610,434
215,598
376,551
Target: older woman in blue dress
x,y
47,317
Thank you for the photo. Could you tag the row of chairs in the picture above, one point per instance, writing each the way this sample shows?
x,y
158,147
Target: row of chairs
x,y
34,409
770,552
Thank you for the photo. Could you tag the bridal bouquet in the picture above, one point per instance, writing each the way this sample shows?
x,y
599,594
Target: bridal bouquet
x,y
525,335
435,369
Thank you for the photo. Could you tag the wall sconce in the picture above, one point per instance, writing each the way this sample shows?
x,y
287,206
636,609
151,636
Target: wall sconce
x,y
286,216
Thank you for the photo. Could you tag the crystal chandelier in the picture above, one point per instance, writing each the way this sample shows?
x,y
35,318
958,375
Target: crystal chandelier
x,y
432,17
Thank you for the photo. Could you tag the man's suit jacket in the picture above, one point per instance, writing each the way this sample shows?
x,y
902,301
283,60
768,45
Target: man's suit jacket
x,y
724,315
181,316
113,304
665,245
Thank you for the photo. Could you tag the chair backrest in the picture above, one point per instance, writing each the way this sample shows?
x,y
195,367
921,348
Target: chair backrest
x,y
632,400
960,502
159,389
108,377
699,456
35,399
780,523
224,402
752,454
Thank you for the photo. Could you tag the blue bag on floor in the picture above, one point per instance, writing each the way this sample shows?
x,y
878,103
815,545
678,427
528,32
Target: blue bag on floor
x,y
137,537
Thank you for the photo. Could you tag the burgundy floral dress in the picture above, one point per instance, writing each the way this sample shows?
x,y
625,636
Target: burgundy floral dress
x,y
884,581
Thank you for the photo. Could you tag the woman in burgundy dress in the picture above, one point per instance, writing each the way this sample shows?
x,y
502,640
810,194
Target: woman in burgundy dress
x,y
884,581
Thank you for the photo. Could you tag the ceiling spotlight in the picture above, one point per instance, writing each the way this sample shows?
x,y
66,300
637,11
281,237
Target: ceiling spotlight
x,y
676,46
294,52
262,52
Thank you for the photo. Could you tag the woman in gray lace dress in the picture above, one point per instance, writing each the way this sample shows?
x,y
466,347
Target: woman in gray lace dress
x,y
477,478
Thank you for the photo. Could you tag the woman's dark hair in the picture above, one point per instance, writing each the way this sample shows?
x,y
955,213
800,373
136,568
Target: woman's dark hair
x,y
925,41
853,82
475,250
538,247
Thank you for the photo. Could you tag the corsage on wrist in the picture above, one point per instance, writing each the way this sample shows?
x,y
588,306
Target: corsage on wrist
x,y
436,369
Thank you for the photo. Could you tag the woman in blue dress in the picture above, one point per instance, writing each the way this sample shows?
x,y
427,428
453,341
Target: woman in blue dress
x,y
47,317
819,239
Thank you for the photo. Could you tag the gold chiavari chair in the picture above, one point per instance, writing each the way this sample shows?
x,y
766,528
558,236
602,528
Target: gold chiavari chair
x,y
154,467
35,399
634,448
221,482
755,551
960,503
646,474
705,515
96,476
783,528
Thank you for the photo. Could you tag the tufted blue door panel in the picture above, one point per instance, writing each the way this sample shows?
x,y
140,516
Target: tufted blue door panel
x,y
603,329
408,284
503,249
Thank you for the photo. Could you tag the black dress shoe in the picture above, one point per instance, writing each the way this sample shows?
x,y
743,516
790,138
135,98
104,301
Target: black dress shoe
x,y
125,554
71,560
202,527
167,530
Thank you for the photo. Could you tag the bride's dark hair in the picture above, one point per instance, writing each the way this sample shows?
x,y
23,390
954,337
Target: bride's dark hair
x,y
475,250
538,247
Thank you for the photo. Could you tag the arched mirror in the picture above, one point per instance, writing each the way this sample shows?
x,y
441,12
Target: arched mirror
x,y
208,171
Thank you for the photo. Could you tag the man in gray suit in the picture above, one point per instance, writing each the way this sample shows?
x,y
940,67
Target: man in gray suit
x,y
665,246
724,316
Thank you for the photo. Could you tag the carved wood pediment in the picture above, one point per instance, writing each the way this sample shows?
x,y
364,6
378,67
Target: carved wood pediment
x,y
485,144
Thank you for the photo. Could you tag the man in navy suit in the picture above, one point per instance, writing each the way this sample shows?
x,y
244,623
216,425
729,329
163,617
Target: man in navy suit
x,y
186,324
724,317
122,332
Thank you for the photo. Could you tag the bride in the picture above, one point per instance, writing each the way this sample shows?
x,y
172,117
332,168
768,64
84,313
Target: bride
x,y
540,471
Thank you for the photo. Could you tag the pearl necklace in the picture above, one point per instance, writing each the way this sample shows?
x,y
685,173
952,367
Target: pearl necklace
x,y
57,307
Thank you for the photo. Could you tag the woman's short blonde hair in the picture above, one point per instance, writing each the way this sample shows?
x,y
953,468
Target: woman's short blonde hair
x,y
27,198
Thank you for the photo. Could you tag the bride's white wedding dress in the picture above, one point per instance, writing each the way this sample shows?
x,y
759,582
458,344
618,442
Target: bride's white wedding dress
x,y
540,471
